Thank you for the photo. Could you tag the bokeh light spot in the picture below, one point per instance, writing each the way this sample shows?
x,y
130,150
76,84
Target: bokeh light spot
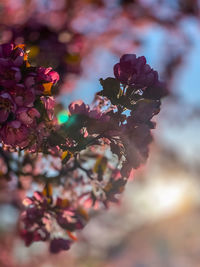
x,y
62,117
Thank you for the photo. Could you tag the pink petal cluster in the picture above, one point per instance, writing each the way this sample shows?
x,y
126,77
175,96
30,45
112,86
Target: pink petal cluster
x,y
43,214
22,87
79,107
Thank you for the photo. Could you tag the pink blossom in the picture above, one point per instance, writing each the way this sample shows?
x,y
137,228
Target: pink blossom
x,y
23,96
40,76
49,104
47,75
14,133
98,115
78,107
27,115
20,102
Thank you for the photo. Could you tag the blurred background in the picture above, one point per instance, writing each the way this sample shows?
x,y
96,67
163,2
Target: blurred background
x,y
157,222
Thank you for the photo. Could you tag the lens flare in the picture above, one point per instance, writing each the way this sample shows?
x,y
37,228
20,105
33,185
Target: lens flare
x,y
62,117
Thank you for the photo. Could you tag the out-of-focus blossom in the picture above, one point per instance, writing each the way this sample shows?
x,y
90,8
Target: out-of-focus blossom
x,y
61,48
42,215
59,244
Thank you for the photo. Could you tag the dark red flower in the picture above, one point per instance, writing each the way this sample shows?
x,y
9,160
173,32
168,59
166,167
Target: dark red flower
x,y
59,244
27,236
135,72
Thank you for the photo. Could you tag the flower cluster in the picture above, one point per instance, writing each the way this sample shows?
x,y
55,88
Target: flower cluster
x,y
90,150
24,93
135,73
51,219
